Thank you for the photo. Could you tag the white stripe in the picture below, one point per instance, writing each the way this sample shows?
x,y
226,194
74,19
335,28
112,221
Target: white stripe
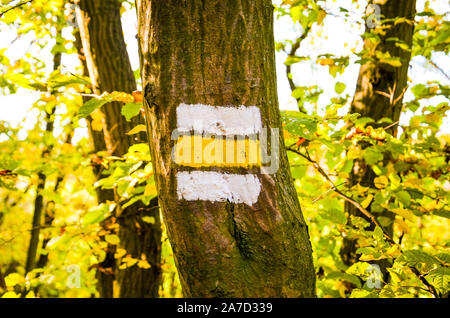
x,y
219,120
218,187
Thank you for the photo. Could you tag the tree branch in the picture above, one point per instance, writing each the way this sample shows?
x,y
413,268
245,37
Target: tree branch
x,y
15,6
343,195
291,53
364,211
439,68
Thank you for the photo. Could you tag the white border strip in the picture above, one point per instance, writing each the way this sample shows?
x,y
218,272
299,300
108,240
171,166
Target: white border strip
x,y
218,187
219,120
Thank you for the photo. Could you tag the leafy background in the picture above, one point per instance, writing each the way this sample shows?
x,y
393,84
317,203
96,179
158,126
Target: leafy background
x,y
316,86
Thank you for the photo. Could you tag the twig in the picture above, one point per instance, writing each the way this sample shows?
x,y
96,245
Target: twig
x,y
343,195
15,6
324,194
439,69
306,156
391,125
430,287
291,53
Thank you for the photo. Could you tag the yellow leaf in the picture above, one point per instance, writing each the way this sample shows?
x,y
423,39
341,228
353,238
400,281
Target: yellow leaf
x,y
413,183
121,97
367,201
148,219
392,62
407,214
354,153
120,252
394,251
97,120
67,148
150,189
31,294
137,129
367,257
326,61
128,261
287,135
381,182
13,279
360,189
10,295
402,225
112,239
322,14
143,264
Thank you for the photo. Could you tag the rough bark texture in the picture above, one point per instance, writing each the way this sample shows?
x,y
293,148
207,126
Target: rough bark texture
x,y
96,138
221,53
379,93
377,77
110,70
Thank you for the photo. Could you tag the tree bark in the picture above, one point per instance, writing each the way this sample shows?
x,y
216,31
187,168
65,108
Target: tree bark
x,y
110,70
376,77
379,94
2,280
221,53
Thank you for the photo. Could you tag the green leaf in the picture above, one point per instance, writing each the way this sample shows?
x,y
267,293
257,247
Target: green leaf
x,y
444,258
334,215
345,277
21,80
130,110
440,279
62,81
339,87
299,124
404,197
372,155
416,257
443,213
369,253
87,108
96,215
421,91
298,172
362,293
295,59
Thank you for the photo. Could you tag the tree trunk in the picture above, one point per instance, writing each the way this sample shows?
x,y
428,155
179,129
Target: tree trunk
x,y
221,53
379,94
110,70
105,277
30,262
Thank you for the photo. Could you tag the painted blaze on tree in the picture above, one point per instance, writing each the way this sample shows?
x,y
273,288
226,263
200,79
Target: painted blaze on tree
x,y
236,229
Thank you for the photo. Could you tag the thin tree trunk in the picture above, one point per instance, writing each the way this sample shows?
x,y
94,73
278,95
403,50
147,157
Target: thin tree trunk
x,y
110,70
105,272
221,53
379,94
39,199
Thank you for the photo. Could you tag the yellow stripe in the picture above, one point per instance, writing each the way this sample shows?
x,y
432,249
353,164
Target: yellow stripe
x,y
219,151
